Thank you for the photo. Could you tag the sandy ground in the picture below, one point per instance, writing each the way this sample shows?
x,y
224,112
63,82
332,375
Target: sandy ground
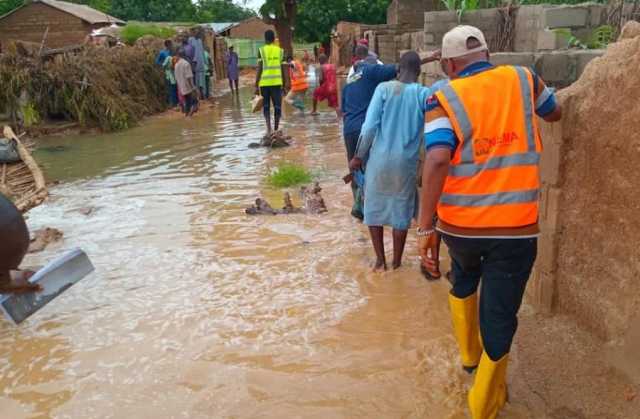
x,y
565,371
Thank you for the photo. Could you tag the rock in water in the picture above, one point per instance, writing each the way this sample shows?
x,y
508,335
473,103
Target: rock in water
x,y
260,207
288,205
313,201
43,238
273,140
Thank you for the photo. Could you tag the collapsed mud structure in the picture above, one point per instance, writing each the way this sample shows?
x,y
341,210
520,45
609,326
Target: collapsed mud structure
x,y
589,264
94,86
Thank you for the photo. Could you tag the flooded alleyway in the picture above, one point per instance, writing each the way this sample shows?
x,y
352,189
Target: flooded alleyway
x,y
197,310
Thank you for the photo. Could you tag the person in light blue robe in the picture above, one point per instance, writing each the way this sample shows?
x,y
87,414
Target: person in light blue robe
x,y
389,150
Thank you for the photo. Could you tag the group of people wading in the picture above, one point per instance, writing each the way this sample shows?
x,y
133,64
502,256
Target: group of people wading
x,y
479,184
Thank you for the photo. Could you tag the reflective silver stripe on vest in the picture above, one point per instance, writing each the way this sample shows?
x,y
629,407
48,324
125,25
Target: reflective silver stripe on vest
x,y
527,102
485,200
472,169
463,121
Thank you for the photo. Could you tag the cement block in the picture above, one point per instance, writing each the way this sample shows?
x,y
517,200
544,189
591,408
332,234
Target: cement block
x,y
557,68
585,57
525,59
547,260
550,213
548,40
566,17
429,38
541,290
597,15
551,134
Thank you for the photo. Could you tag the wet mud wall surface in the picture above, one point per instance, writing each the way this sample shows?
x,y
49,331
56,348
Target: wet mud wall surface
x,y
589,263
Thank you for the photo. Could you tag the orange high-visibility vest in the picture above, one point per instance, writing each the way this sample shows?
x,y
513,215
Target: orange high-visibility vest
x,y
493,179
298,77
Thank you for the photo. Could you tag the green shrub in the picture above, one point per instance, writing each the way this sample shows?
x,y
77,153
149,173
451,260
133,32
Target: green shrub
x,y
288,174
134,31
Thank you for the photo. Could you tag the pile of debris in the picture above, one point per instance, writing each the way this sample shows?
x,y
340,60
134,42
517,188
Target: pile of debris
x,y
94,86
274,140
313,203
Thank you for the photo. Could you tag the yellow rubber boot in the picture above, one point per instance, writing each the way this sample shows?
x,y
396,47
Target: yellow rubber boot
x,y
464,312
489,391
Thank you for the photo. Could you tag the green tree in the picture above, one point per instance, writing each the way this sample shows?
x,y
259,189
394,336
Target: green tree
x,y
8,5
282,15
316,18
222,11
154,10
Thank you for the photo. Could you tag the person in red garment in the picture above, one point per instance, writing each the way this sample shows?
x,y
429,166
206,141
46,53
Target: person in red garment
x,y
328,87
13,248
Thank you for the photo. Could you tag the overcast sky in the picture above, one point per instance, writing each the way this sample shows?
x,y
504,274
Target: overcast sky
x,y
253,4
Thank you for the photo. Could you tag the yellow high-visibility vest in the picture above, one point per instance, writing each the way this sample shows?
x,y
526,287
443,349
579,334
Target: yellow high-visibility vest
x,y
272,57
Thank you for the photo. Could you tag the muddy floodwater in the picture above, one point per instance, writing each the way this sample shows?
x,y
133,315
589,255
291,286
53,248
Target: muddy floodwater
x,y
197,310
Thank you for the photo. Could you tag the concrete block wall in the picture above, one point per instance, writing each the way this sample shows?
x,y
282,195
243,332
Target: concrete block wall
x,y
410,12
557,68
533,25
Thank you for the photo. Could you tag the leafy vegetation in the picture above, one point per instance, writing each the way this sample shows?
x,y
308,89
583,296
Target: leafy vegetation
x,y
316,18
598,39
133,31
288,174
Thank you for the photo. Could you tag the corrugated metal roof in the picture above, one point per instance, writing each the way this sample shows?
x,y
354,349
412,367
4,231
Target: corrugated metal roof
x,y
221,27
82,11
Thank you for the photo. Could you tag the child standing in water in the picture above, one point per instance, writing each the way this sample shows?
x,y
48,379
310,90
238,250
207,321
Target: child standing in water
x,y
328,86
389,144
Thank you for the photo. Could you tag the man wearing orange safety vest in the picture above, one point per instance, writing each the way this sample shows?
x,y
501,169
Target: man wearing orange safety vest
x,y
481,175
299,85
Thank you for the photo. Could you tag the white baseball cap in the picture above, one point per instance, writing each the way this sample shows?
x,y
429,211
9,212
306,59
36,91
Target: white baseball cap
x,y
454,42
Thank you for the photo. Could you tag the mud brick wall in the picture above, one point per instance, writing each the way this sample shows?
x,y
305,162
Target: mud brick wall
x,y
589,264
30,23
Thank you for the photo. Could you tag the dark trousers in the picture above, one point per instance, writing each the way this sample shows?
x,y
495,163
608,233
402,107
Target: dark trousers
x,y
504,266
190,101
272,94
172,93
207,86
351,143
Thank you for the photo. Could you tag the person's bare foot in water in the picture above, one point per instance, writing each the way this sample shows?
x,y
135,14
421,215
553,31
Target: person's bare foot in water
x,y
17,282
380,266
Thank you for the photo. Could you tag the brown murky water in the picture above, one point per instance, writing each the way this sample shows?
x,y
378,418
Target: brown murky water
x,y
199,311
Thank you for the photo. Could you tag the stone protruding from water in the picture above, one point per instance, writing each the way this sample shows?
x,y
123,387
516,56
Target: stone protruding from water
x,y
276,139
311,197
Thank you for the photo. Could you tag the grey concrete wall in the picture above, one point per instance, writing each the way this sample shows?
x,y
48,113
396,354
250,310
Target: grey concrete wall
x,y
557,68
410,12
533,25
436,24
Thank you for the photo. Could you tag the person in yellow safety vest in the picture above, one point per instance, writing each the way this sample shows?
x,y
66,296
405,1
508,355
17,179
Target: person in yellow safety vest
x,y
269,81
299,85
481,173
